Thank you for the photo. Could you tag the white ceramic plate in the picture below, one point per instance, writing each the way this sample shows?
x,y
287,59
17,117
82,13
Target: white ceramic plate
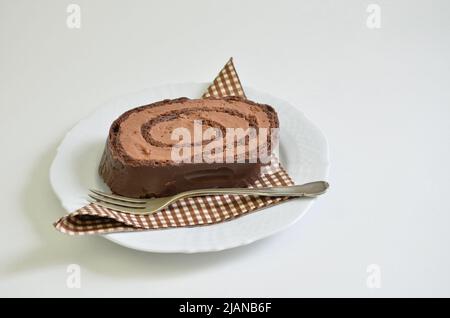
x,y
303,152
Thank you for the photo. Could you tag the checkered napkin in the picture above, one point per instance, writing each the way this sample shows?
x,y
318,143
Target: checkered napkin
x,y
94,219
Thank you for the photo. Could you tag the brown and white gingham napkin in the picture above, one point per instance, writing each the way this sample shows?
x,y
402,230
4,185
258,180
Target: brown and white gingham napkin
x,y
94,219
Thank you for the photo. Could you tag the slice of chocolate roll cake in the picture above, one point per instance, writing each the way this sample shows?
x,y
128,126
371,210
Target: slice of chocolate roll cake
x,y
183,144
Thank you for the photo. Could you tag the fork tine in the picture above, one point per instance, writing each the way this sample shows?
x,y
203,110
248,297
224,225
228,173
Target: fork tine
x,y
116,202
117,197
118,208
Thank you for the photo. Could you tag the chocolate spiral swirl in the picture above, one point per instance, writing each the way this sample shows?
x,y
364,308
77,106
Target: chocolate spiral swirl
x,y
146,133
138,161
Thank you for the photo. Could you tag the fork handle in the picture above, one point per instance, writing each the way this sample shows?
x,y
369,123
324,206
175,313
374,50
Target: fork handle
x,y
311,189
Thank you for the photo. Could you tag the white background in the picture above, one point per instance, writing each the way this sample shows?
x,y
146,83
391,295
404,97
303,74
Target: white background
x,y
381,97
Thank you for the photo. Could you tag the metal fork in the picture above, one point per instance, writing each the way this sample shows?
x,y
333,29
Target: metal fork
x,y
149,206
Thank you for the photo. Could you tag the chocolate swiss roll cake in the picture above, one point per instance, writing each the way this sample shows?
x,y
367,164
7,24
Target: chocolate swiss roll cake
x,y
183,144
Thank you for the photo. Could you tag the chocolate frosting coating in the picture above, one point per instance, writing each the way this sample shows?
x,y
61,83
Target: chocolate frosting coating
x,y
137,157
